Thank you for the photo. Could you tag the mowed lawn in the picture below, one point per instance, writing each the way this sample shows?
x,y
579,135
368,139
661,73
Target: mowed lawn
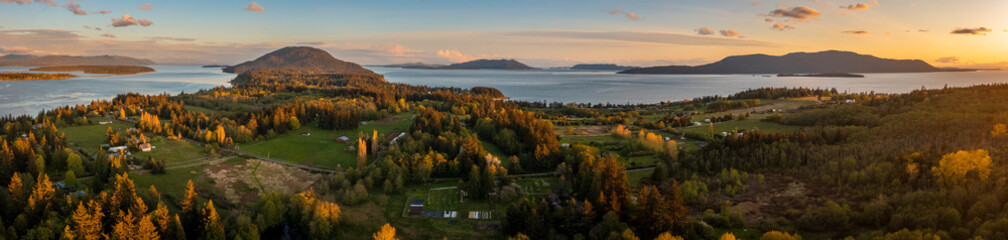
x,y
90,137
320,149
172,151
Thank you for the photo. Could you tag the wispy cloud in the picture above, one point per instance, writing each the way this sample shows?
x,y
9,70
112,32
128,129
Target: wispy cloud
x,y
454,55
801,13
146,7
644,37
254,7
856,32
108,35
857,7
730,33
21,51
128,20
705,31
161,38
75,9
630,15
48,2
947,60
972,31
782,27
16,1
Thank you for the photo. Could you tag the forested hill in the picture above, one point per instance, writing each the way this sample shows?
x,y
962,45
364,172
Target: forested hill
x,y
509,64
300,59
801,62
59,60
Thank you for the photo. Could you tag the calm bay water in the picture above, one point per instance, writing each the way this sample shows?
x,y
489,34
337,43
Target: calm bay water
x,y
603,87
29,97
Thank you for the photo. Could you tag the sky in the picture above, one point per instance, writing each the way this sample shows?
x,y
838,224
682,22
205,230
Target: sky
x,y
541,33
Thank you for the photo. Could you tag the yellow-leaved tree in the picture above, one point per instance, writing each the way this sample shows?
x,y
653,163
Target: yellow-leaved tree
x,y
387,232
955,168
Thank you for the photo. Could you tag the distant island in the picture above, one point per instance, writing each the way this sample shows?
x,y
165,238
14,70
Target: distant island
x,y
604,66
833,75
22,76
215,66
506,64
299,59
62,60
801,62
117,70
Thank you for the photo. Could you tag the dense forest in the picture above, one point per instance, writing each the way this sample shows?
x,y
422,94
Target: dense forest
x,y
925,164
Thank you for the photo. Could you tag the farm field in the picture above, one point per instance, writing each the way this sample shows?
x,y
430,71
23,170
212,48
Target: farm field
x,y
320,149
90,137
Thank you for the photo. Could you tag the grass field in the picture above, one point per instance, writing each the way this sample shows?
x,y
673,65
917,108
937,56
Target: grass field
x,y
320,149
636,176
612,144
172,184
747,124
90,137
172,151
200,109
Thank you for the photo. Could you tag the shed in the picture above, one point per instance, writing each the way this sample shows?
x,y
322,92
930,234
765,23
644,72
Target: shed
x,y
146,147
416,207
345,139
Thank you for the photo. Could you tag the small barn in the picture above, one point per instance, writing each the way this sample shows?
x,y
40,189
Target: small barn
x,y
146,147
416,207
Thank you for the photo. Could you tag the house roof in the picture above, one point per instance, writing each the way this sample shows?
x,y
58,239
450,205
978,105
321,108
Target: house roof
x,y
417,202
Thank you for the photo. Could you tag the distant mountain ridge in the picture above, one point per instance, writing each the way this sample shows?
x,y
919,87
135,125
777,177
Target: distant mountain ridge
x,y
299,59
509,64
800,62
602,66
63,60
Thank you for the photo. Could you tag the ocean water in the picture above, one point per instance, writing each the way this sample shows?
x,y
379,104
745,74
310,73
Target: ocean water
x,y
30,97
608,87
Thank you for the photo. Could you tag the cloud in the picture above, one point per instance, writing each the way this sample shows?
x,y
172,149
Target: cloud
x,y
146,7
769,20
782,27
40,34
947,60
730,33
20,51
801,13
922,30
454,55
972,31
128,20
16,1
630,15
49,2
108,35
643,37
75,9
93,28
254,7
856,32
857,7
310,43
705,31
102,12
172,39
